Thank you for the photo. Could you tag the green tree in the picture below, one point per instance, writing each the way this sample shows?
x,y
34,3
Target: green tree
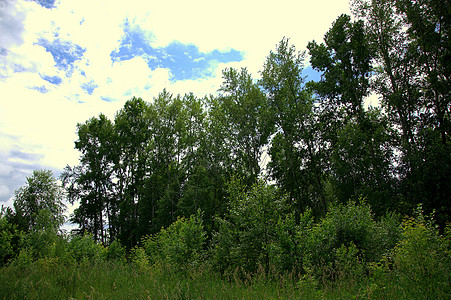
x,y
358,141
198,190
247,115
409,40
10,237
166,174
132,127
295,154
41,193
91,182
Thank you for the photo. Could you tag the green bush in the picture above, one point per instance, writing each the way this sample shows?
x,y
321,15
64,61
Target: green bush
x,y
284,250
254,232
140,258
389,233
85,248
24,259
422,259
347,232
180,244
10,241
115,251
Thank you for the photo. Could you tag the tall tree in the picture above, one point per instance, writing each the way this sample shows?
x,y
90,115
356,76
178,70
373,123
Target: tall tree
x,y
166,152
295,158
249,121
132,127
429,30
356,139
411,53
91,182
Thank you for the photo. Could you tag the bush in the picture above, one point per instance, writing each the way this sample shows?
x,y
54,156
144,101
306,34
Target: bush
x,y
422,259
284,250
85,248
140,258
346,233
180,244
10,241
115,251
24,259
253,234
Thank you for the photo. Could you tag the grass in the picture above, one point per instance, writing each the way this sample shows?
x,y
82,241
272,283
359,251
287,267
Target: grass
x,y
51,279
109,280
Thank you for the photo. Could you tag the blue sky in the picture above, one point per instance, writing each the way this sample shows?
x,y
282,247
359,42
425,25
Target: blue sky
x,y
62,62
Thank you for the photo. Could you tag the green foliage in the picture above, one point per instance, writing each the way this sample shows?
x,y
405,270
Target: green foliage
x,y
253,234
181,244
140,258
85,248
296,156
348,263
361,162
343,240
115,251
24,259
418,266
246,113
422,258
284,251
38,204
10,240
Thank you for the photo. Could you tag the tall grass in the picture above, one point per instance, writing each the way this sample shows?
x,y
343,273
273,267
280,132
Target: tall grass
x,y
54,279
48,279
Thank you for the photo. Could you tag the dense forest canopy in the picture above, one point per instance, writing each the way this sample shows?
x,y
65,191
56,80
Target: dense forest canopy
x,y
169,157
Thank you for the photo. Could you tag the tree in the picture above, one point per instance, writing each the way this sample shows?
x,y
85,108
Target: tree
x,y
132,126
246,112
294,146
39,203
410,43
166,151
428,31
358,142
91,183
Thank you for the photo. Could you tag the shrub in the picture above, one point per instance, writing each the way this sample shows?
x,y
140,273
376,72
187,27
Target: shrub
x,y
85,248
422,259
24,259
253,232
389,233
115,251
140,258
347,230
10,241
284,250
180,244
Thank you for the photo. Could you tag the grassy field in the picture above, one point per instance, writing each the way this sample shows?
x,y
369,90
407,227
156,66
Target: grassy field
x,y
50,279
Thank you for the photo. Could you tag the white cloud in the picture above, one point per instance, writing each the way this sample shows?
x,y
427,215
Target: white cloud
x,y
12,16
4,190
252,26
45,124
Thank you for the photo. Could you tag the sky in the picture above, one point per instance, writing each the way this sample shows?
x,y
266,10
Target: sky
x,y
63,62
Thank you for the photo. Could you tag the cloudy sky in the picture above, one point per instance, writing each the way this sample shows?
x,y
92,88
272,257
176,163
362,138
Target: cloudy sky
x,y
62,62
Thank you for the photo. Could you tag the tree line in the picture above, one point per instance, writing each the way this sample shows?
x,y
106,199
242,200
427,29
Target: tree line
x,y
276,178
171,157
